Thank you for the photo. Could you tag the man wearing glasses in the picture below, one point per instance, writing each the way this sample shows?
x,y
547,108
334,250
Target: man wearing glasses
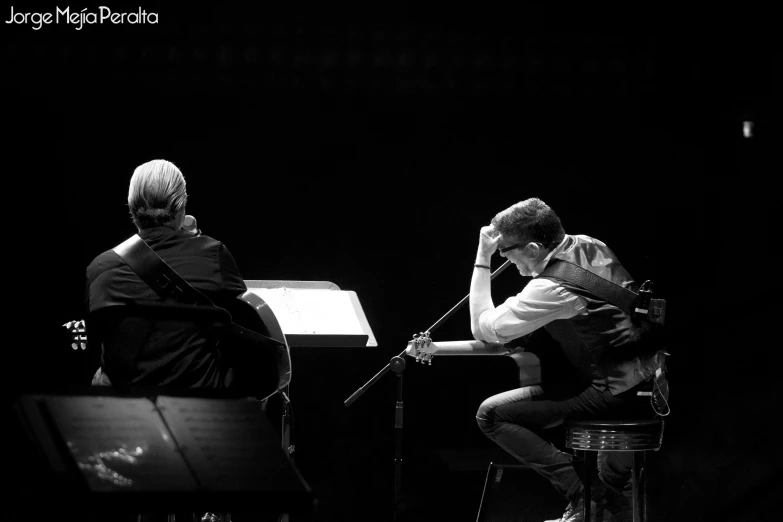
x,y
612,359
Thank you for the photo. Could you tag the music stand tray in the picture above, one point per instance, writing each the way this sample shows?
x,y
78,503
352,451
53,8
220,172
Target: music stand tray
x,y
316,313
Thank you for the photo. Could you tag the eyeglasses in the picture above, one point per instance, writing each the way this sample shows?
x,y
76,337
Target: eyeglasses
x,y
507,249
502,251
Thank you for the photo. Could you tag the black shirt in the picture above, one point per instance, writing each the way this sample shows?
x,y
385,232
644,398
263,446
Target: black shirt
x,y
148,353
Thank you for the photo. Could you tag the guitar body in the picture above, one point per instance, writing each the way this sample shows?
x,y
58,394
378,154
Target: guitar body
x,y
259,351
423,349
264,322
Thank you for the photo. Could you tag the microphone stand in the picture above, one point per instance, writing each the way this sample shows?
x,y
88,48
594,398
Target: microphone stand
x,y
397,365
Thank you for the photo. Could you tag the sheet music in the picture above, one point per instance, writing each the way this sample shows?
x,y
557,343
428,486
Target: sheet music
x,y
312,311
120,444
229,444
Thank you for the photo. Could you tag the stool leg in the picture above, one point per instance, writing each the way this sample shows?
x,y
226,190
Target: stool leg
x,y
639,487
586,474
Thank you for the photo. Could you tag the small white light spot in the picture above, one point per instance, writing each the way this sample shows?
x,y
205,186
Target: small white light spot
x,y
747,129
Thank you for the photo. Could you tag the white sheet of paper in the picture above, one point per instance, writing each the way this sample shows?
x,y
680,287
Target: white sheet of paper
x,y
304,311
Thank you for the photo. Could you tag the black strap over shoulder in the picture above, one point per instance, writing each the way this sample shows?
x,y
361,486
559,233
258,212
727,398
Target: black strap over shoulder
x,y
157,274
254,358
621,297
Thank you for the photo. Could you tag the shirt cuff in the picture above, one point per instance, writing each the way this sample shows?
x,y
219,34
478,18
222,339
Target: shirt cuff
x,y
487,332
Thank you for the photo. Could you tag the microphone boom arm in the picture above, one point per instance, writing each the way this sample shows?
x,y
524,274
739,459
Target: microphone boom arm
x,y
465,299
358,393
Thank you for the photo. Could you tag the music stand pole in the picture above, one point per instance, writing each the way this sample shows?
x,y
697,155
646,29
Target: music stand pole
x,y
397,364
286,433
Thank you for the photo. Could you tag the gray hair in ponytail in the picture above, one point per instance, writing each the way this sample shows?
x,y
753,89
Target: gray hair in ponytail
x,y
156,194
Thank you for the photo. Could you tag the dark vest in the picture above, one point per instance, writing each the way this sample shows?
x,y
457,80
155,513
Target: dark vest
x,y
604,344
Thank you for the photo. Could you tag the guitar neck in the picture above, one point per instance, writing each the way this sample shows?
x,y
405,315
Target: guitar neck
x,y
461,348
528,363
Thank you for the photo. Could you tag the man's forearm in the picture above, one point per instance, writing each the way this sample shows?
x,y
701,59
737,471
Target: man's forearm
x,y
480,294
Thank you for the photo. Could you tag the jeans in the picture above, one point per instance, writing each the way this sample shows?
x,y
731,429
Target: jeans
x,y
517,421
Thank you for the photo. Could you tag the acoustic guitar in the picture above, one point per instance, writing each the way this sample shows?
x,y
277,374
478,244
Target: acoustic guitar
x,y
424,349
263,322
263,332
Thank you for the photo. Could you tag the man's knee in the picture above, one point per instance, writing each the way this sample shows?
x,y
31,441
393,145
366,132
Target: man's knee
x,y
485,416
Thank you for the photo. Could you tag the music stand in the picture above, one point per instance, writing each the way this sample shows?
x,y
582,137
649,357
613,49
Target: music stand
x,y
313,314
316,313
160,454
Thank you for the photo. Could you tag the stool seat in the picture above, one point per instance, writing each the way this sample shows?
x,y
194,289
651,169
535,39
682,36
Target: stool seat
x,y
615,435
637,436
617,424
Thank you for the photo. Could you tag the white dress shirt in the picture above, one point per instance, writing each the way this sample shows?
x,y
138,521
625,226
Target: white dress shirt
x,y
540,302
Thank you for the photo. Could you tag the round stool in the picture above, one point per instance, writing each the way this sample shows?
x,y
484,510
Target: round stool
x,y
638,436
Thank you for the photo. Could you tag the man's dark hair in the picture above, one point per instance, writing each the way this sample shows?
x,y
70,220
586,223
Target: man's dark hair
x,y
530,220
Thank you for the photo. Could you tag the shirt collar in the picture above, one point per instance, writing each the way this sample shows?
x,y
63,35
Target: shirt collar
x,y
540,266
156,233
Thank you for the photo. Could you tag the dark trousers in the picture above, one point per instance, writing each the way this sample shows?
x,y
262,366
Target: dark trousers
x,y
518,421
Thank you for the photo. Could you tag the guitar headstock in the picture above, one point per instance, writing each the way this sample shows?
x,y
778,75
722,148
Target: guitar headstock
x,y
77,333
420,348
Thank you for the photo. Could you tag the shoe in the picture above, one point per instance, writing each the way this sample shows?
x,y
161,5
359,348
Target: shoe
x,y
575,512
216,517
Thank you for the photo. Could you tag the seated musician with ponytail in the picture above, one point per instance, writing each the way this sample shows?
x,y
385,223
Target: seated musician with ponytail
x,y
601,342
140,354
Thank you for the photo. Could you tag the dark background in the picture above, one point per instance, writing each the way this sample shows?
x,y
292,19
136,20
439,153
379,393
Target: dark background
x,y
369,155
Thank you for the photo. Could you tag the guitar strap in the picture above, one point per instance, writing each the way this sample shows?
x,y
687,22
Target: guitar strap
x,y
167,283
625,300
622,298
157,274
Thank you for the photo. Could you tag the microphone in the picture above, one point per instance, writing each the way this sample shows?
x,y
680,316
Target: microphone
x,y
189,225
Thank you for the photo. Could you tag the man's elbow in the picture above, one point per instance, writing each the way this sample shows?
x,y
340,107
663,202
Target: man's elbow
x,y
476,331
